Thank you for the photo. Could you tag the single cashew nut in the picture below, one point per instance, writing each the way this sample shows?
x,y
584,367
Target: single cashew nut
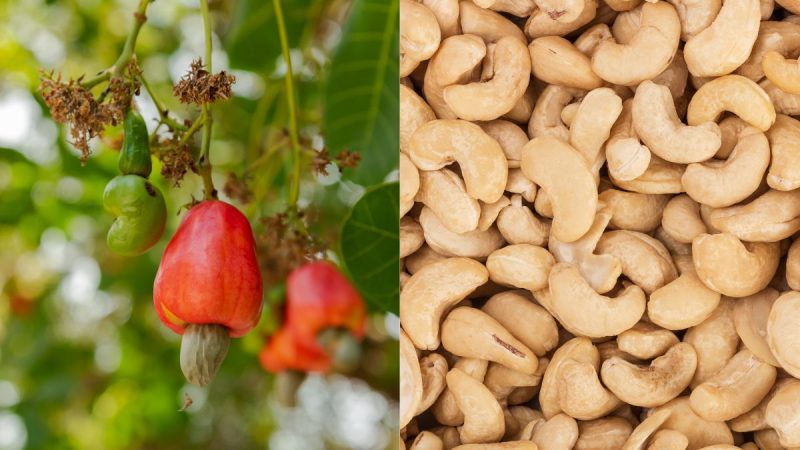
x,y
603,434
518,225
634,211
580,393
626,156
784,169
715,341
782,332
433,369
644,259
661,177
732,267
432,291
510,137
419,35
471,333
522,266
733,93
576,349
782,72
524,319
456,62
750,316
558,433
445,194
681,219
474,244
546,23
411,237
695,15
592,124
410,380
781,415
483,417
489,25
556,60
668,440
646,341
770,217
684,302
445,409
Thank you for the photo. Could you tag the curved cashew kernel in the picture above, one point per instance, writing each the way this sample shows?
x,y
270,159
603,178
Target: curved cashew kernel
x,y
784,170
733,93
641,434
519,8
782,101
603,434
782,72
483,417
578,349
700,432
501,381
735,389
588,41
664,379
518,183
626,24
489,25
482,161
445,194
781,415
413,113
457,61
592,124
727,42
509,445
432,291
546,23
474,244
490,211
731,128
681,219
580,393
634,211
574,198
755,419
695,15
546,117
668,440
782,332
644,259
793,265
421,258
556,60
471,333
557,433
409,184
410,380
732,267
770,217
661,177
627,157
446,12
715,341
433,369
682,303
419,35
582,310
518,225
488,100
723,183
427,441
657,37
658,125
522,266
646,341
750,316
783,37
411,237
445,409
600,271
522,110
510,137
542,205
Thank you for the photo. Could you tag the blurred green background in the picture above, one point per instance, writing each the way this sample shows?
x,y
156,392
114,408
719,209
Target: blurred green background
x,y
84,361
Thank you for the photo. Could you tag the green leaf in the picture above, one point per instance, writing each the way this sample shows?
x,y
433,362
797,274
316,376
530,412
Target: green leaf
x,y
253,43
362,90
370,247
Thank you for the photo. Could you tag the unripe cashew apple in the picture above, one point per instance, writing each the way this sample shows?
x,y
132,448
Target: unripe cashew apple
x,y
134,158
208,286
140,214
320,302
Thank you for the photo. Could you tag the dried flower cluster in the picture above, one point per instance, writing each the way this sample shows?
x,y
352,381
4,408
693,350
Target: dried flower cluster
x,y
199,86
282,247
237,188
345,159
176,158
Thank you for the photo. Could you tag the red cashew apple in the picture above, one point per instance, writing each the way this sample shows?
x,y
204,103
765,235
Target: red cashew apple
x,y
319,299
208,286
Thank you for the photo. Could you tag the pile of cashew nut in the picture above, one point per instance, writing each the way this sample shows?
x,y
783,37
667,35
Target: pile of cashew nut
x,y
600,211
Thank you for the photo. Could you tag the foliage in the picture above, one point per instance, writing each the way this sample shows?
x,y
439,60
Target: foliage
x,y
84,361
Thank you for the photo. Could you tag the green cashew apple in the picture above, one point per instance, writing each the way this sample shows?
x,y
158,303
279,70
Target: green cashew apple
x,y
140,211
134,159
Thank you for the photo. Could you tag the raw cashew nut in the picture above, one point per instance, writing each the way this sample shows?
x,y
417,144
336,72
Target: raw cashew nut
x,y
518,225
755,419
781,415
583,311
603,434
681,219
700,432
483,417
684,302
410,380
483,163
782,72
647,53
723,183
732,267
556,60
446,410
413,113
661,177
642,433
733,93
784,169
474,244
782,37
445,194
546,117
782,332
490,99
592,124
574,198
634,211
580,393
646,341
471,333
489,25
446,12
557,433
734,390
644,259
432,291
419,35
727,42
664,379
782,101
695,15
510,137
750,316
660,128
546,23
433,368
770,217
522,266
627,158
577,349
409,184
524,319
457,61
411,237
